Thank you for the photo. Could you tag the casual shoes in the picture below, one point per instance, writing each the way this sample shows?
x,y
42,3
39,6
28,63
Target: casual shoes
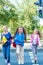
x,y
5,61
22,62
35,60
19,62
8,64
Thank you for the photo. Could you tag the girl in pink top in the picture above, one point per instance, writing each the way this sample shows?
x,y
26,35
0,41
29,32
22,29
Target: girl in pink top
x,y
35,40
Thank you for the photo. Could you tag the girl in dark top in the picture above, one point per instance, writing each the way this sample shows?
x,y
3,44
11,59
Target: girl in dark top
x,y
6,44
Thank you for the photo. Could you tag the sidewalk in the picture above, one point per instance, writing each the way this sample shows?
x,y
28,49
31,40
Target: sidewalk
x,y
26,46
28,57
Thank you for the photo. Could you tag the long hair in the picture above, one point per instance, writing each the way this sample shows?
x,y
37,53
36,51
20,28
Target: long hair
x,y
39,33
23,31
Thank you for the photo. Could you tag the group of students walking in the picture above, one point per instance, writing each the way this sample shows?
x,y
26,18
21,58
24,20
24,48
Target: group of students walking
x,y
19,40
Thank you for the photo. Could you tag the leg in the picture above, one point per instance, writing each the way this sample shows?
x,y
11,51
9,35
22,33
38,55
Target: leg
x,y
34,48
35,54
4,50
22,55
18,53
8,54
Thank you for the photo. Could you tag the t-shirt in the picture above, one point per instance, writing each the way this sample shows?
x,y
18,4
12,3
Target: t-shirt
x,y
19,39
8,38
35,39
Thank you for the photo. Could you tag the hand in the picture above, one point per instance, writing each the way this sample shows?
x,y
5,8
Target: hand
x,y
31,45
15,38
40,45
2,42
24,41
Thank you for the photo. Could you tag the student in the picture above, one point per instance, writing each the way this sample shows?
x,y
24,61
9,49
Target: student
x,y
6,42
35,40
19,39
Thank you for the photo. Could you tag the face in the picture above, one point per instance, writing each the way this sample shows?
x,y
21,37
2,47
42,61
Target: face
x,y
20,30
5,28
35,31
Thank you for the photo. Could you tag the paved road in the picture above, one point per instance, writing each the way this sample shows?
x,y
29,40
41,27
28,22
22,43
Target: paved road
x,y
28,58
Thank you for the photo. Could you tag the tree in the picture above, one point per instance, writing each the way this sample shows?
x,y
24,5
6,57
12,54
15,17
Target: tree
x,y
22,15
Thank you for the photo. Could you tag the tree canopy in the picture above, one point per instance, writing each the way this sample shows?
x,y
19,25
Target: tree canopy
x,y
22,15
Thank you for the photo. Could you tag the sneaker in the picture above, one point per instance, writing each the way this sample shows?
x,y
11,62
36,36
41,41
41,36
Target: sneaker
x,y
5,61
19,62
35,60
8,64
22,62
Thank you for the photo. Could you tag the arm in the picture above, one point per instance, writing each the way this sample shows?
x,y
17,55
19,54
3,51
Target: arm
x,y
31,38
39,41
10,36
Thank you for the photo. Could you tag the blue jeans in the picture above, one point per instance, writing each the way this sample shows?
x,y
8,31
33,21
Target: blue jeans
x,y
6,53
34,49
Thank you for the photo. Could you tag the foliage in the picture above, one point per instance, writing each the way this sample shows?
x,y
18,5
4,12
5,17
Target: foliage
x,y
23,15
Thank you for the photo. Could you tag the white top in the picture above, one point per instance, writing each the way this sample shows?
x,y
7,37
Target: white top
x,y
35,39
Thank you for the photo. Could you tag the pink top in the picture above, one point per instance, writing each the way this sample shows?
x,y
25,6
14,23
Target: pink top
x,y
35,39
